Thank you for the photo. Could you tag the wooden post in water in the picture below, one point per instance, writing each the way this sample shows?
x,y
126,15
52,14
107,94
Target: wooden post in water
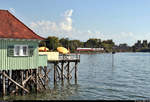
x,y
55,65
68,71
36,80
75,73
22,72
62,71
8,83
45,76
26,76
4,91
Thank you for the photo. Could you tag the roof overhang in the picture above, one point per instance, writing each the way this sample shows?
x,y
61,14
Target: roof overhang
x,y
12,39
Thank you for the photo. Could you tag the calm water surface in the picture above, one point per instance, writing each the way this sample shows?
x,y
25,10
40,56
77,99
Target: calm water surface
x,y
122,76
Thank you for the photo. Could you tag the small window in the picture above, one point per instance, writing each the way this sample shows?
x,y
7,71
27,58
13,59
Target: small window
x,y
21,50
25,50
17,50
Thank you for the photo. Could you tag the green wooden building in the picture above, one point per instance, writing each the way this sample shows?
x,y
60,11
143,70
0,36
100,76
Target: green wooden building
x,y
18,45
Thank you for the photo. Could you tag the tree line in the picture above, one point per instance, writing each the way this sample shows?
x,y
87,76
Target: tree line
x,y
52,42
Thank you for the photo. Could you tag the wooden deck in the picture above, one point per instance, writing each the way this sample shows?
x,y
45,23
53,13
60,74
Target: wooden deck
x,y
67,58
63,69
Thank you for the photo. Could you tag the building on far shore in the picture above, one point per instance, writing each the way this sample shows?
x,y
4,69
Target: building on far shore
x,y
90,49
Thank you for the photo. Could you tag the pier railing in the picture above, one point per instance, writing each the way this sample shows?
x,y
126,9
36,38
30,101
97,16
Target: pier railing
x,y
69,57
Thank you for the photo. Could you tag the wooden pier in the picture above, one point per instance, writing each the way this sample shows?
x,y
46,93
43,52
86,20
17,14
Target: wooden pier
x,y
21,82
23,69
64,67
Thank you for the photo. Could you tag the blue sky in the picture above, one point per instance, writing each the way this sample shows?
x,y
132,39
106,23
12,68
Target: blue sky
x,y
124,21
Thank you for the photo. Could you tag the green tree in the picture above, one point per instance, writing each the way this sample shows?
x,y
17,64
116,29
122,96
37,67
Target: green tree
x,y
108,45
42,43
52,42
74,44
93,43
64,42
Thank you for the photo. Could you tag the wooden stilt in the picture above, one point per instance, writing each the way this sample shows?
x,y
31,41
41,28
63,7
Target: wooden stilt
x,y
36,80
30,82
26,76
22,72
75,72
58,74
45,76
4,84
68,69
55,64
62,71
8,82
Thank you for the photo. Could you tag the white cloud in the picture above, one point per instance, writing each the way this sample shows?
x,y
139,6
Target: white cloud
x,y
66,24
65,28
47,28
68,13
124,37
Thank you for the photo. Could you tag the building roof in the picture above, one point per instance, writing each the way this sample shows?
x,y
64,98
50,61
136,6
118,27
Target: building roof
x,y
11,27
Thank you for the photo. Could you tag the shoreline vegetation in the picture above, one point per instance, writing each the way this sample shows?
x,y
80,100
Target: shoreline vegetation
x,y
52,42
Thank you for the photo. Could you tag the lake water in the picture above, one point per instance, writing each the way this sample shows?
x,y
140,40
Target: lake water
x,y
122,76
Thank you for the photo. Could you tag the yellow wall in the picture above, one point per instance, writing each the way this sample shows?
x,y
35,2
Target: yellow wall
x,y
51,55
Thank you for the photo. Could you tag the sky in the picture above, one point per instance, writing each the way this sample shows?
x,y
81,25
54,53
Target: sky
x,y
124,21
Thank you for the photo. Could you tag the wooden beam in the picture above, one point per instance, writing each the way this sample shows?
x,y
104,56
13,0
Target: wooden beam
x,y
72,69
58,67
15,82
26,80
41,82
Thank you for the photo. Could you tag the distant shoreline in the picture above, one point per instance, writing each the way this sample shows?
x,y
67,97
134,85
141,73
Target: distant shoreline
x,y
108,52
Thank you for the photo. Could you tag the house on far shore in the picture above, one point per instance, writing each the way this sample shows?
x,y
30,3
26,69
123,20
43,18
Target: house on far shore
x,y
18,45
90,49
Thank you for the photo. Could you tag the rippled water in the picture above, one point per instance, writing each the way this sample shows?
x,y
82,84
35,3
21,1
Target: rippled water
x,y
122,76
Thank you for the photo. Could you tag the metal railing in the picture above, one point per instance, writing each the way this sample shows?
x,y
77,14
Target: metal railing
x,y
69,56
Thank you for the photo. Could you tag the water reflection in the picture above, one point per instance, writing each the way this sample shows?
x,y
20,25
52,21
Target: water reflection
x,y
102,76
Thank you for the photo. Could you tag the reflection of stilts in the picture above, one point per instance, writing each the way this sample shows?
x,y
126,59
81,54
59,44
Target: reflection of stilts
x,y
113,59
